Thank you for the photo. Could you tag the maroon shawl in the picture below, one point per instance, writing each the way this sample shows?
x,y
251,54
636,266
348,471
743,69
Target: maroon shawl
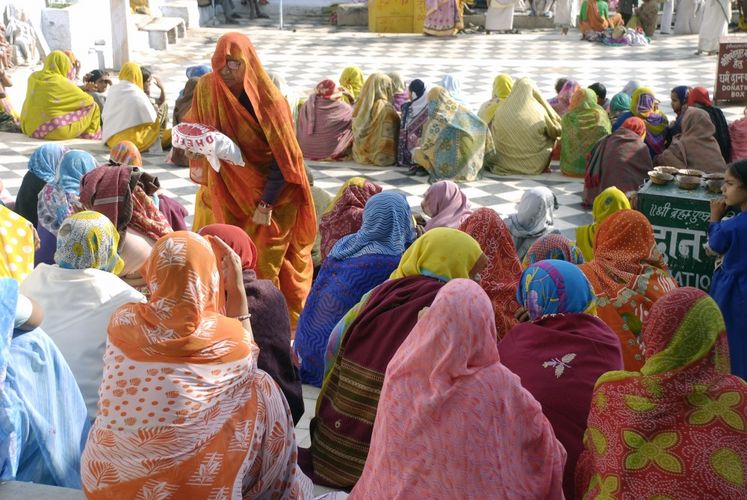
x,y
559,359
341,431
621,159
324,128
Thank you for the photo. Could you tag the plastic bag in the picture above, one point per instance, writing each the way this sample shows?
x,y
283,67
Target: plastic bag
x,y
207,141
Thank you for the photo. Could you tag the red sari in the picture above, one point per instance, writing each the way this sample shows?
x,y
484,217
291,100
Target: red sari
x,y
231,195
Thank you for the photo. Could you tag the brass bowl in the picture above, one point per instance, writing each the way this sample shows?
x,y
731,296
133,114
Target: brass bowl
x,y
688,181
668,170
691,172
714,185
715,176
660,178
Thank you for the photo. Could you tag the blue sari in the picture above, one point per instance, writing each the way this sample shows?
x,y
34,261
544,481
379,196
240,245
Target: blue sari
x,y
43,419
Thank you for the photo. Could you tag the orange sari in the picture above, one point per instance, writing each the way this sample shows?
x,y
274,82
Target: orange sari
x,y
231,195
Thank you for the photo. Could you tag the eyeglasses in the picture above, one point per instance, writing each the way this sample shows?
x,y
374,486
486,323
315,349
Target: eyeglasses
x,y
233,64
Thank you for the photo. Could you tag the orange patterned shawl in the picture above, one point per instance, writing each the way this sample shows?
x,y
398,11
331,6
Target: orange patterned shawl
x,y
183,410
629,275
233,193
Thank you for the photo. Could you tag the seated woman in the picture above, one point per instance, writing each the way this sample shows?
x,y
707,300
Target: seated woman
x,y
679,104
533,218
552,246
453,86
738,135
524,131
629,275
676,426
344,214
79,294
379,323
375,123
502,86
501,276
59,199
698,97
128,113
619,160
351,79
455,140
695,147
608,202
324,127
644,105
357,263
585,123
44,417
126,153
429,385
269,317
55,108
399,92
42,168
446,205
561,102
561,351
321,200
594,16
119,194
226,425
414,117
619,104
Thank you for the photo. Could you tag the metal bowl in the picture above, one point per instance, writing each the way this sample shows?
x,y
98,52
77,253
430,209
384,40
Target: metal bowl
x,y
715,176
714,185
688,181
660,178
690,172
668,170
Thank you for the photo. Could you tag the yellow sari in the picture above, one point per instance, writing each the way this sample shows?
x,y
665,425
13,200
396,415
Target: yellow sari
x,y
608,202
352,79
375,123
143,135
16,246
502,86
55,108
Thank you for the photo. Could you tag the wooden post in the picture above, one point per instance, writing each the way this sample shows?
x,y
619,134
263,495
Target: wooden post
x,y
120,14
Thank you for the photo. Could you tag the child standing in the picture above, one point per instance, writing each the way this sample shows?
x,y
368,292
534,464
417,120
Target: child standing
x,y
729,284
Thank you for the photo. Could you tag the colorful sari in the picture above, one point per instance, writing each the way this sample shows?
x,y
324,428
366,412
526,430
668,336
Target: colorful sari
x,y
16,246
644,105
501,277
414,118
43,414
324,124
351,79
399,92
446,205
533,218
608,202
454,142
265,138
629,275
375,123
55,108
698,98
695,147
552,246
619,104
619,160
561,102
585,123
502,86
357,263
594,16
59,198
43,165
128,113
561,352
524,130
447,376
270,322
676,428
207,419
364,342
344,214
443,17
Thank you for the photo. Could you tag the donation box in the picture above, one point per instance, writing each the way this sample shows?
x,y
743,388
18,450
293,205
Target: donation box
x,y
396,16
680,218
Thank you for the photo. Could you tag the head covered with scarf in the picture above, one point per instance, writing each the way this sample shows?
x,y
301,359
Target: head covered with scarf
x,y
553,246
446,205
88,240
555,287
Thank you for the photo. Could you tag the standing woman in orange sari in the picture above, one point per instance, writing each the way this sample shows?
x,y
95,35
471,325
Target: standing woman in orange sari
x,y
270,197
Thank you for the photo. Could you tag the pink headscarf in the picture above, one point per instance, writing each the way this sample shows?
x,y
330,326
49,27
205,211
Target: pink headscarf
x,y
452,419
446,204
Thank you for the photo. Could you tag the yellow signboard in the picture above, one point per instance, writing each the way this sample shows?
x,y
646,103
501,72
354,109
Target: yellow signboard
x,y
396,16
